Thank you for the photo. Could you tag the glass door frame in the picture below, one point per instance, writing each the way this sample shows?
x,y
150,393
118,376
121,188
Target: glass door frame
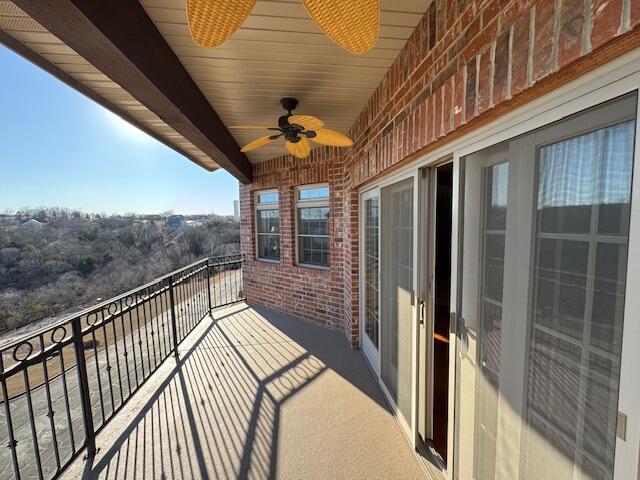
x,y
409,426
370,351
627,452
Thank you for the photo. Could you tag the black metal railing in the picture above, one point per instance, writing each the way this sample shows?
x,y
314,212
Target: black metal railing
x,y
62,384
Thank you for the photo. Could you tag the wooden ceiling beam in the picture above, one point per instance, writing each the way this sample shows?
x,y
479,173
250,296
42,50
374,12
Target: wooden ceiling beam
x,y
121,41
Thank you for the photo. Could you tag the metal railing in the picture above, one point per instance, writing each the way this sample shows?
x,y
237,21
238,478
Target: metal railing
x,y
62,384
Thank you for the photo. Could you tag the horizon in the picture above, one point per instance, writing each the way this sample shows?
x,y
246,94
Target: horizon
x,y
105,214
59,148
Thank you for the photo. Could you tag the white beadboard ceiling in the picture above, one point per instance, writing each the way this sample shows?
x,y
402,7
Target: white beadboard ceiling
x,y
279,51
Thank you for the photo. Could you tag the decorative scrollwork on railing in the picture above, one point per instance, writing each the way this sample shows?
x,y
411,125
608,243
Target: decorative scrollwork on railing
x,y
105,353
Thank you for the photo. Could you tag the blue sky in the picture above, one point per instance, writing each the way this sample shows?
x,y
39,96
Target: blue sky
x,y
58,148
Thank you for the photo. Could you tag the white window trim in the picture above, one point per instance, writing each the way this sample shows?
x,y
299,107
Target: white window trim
x,y
266,206
324,202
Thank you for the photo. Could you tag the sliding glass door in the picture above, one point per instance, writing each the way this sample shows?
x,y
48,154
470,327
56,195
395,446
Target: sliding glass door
x,y
387,291
546,230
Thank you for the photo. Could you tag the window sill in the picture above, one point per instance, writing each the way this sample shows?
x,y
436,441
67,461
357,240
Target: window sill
x,y
314,267
268,260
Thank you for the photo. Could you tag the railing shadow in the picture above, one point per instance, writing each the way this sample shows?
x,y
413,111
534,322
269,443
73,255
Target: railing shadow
x,y
217,414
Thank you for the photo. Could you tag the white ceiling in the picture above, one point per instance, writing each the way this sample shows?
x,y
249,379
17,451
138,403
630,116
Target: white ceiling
x,y
279,51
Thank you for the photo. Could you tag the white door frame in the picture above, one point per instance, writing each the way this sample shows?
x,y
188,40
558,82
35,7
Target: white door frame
x,y
408,425
618,77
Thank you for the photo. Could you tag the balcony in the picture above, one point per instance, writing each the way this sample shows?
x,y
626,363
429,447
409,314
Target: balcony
x,y
247,392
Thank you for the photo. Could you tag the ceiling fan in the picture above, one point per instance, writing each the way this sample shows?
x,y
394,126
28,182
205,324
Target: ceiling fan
x,y
297,130
353,24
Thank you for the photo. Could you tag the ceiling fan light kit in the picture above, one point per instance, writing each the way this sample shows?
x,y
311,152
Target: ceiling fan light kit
x,y
297,130
354,24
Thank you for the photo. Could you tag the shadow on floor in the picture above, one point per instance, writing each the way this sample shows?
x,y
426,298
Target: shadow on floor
x,y
217,412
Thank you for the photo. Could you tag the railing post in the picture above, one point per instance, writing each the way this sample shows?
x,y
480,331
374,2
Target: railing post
x,y
83,378
174,328
209,287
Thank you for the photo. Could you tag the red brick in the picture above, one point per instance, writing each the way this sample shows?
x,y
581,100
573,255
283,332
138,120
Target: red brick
x,y
634,14
441,20
520,53
484,38
543,42
437,113
430,119
451,14
484,81
501,68
447,106
605,20
571,26
431,15
470,90
421,125
424,24
458,98
490,11
513,12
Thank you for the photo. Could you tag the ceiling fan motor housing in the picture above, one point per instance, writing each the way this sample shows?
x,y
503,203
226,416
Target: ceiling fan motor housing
x,y
290,130
289,103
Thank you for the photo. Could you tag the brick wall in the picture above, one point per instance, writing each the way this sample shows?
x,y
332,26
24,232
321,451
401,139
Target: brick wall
x,y
466,63
313,294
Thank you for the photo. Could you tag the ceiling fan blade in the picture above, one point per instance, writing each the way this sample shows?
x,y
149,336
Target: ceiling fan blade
x,y
354,25
257,143
211,22
302,149
325,136
309,122
254,127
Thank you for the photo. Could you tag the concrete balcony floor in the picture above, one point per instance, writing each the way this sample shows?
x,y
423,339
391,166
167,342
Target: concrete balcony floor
x,y
256,394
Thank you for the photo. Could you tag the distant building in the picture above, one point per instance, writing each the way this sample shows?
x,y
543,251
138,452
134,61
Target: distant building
x,y
175,222
236,209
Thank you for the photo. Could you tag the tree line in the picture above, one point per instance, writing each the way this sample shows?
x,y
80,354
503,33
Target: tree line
x,y
53,260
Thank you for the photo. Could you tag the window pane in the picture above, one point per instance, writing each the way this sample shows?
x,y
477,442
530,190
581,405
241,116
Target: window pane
x,y
493,266
268,221
314,193
575,341
496,196
397,287
269,247
314,250
496,178
268,197
371,269
313,221
583,172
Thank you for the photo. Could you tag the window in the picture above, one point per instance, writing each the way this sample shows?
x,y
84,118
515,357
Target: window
x,y
268,226
313,225
575,335
371,264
